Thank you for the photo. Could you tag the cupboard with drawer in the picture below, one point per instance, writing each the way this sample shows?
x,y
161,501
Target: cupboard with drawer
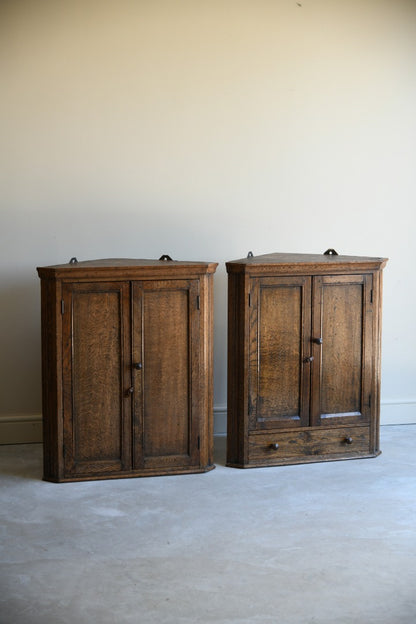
x,y
304,334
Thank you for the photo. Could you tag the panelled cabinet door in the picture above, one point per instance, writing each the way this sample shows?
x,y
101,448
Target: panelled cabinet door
x,y
166,373
279,352
96,378
342,342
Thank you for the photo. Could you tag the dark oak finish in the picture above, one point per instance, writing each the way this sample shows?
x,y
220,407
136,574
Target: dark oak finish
x,y
95,349
279,330
303,358
127,368
167,375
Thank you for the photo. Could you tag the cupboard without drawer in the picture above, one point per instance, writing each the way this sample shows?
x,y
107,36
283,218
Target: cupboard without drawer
x,y
303,358
127,368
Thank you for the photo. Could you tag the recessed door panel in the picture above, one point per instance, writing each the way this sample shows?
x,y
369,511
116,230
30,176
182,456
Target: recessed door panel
x,y
278,371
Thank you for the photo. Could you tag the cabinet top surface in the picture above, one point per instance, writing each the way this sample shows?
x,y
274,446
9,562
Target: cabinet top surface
x,y
304,262
119,266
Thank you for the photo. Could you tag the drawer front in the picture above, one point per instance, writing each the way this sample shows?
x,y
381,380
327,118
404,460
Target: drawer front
x,y
309,446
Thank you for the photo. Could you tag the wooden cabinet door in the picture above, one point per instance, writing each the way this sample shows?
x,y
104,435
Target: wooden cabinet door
x,y
96,378
342,366
166,368
279,352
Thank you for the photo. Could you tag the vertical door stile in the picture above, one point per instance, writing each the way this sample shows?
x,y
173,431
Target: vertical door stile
x,y
137,373
316,350
253,351
126,374
193,310
306,351
375,361
368,355
67,381
194,394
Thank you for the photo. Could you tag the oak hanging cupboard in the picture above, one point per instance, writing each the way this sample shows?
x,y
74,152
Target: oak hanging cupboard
x,y
126,368
303,358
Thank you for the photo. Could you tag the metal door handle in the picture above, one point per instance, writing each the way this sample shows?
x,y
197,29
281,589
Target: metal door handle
x,y
317,341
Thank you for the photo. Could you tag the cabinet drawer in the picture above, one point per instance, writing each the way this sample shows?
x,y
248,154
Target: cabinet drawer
x,y
309,446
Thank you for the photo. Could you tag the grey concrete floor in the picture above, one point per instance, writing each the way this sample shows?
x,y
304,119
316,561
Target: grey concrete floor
x,y
330,543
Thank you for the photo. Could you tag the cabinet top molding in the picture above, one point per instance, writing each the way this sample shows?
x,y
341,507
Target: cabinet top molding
x,y
126,268
297,263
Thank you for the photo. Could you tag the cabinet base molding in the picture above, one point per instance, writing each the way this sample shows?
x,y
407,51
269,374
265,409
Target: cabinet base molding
x,y
131,474
304,460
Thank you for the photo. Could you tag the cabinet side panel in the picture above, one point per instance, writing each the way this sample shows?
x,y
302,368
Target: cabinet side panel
x,y
166,371
204,368
376,360
237,403
51,379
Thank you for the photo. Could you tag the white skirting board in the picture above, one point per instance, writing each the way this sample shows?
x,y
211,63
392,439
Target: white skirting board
x,y
20,428
27,428
398,413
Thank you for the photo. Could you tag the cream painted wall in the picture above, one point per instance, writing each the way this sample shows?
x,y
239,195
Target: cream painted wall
x,y
204,129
